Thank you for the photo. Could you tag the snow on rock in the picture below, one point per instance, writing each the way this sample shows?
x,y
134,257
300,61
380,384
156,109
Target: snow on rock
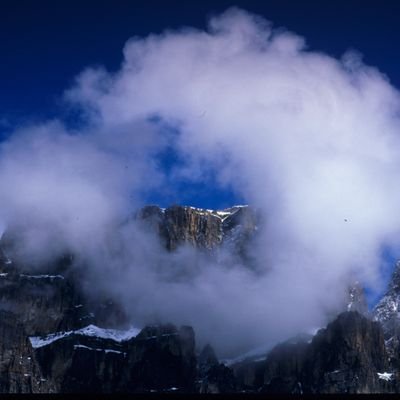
x,y
51,277
259,354
386,376
221,214
81,346
90,330
40,341
113,334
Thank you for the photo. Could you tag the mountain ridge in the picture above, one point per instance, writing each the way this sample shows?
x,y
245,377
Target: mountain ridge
x,y
54,339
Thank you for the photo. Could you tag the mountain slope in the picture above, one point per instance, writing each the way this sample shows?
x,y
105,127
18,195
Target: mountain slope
x,y
55,338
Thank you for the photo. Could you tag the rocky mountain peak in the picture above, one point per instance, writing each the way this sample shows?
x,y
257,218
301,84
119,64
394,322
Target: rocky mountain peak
x,y
394,284
201,228
387,309
55,339
356,300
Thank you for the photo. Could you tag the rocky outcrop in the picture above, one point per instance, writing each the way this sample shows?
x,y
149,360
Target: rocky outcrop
x,y
19,373
386,312
42,303
348,356
356,300
162,359
159,358
214,377
201,228
52,337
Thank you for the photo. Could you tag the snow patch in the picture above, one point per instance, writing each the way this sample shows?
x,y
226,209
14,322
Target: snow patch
x,y
40,341
51,277
113,334
90,330
81,346
386,376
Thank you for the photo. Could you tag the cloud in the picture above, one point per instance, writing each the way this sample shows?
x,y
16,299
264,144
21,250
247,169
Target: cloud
x,y
309,139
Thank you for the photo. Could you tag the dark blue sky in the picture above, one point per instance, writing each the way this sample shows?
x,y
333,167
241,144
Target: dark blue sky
x,y
44,44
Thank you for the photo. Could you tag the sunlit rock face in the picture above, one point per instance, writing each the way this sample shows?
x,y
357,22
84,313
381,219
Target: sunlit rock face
x,y
201,228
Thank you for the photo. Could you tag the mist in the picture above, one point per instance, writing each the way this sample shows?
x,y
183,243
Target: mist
x,y
310,140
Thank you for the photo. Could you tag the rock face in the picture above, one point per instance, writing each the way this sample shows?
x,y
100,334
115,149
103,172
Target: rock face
x,y
214,377
386,312
356,299
203,229
348,356
53,339
18,371
159,358
42,303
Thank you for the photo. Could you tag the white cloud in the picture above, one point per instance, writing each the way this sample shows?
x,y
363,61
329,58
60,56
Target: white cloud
x,y
311,140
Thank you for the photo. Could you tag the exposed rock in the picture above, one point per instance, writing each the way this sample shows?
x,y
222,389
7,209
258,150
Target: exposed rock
x,y
42,303
356,300
201,228
349,356
219,379
159,358
77,363
213,376
19,372
387,312
346,357
206,360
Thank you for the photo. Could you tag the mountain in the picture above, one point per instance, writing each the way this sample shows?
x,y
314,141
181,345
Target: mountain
x,y
348,356
387,313
54,338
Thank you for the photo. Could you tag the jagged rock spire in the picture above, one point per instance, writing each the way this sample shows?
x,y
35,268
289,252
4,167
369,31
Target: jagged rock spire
x,y
356,299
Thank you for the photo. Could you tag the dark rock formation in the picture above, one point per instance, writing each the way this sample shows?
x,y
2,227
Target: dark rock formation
x,y
19,372
346,357
349,356
42,303
386,312
203,229
47,344
162,359
214,377
159,358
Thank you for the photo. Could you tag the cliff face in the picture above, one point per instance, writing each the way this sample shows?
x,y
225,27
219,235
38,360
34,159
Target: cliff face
x,y
55,339
51,340
386,312
203,229
348,356
159,358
